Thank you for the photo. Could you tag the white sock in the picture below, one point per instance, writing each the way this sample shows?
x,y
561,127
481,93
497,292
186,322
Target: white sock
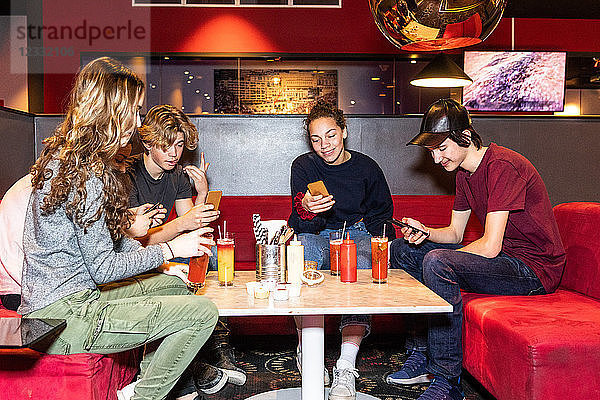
x,y
127,392
347,355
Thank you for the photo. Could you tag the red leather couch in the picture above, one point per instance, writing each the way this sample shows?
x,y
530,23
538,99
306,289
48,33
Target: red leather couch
x,y
543,347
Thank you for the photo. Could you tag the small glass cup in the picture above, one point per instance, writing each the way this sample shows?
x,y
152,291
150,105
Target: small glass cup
x,y
197,269
379,259
335,242
310,265
226,259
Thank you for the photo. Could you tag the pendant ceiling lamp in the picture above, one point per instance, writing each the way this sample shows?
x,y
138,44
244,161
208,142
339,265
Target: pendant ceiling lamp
x,y
435,25
441,72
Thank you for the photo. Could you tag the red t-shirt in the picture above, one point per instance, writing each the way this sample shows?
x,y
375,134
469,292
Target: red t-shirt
x,y
507,181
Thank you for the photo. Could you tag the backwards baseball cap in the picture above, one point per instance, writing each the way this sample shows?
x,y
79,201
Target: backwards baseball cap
x,y
441,119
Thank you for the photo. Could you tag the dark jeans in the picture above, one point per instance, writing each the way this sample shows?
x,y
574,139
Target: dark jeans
x,y
446,271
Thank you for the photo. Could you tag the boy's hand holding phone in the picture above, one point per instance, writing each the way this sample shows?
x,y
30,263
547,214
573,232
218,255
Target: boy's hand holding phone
x,y
199,216
413,231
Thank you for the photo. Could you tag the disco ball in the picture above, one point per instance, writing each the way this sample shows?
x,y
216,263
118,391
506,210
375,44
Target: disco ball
x,y
433,25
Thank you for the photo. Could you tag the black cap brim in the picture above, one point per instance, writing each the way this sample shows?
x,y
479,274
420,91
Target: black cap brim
x,y
429,139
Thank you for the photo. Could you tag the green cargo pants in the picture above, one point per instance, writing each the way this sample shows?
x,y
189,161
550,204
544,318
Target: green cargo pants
x,y
127,314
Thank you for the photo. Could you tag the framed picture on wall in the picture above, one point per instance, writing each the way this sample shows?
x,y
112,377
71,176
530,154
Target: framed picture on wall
x,y
272,91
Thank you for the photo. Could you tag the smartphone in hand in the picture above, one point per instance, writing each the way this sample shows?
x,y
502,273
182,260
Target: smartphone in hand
x,y
214,197
405,225
318,188
154,207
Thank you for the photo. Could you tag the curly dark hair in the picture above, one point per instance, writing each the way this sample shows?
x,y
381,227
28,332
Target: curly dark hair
x,y
102,106
324,109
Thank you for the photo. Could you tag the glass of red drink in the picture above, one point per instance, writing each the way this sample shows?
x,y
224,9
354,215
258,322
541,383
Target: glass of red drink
x,y
335,241
197,270
379,259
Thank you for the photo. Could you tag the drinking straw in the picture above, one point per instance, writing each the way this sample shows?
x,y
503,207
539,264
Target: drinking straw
x,y
343,230
383,235
225,228
219,226
256,225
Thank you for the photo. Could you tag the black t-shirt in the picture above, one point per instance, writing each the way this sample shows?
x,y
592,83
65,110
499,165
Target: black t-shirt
x,y
358,187
173,185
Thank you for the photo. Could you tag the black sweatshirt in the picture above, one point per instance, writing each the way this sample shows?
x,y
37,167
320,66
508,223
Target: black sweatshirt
x,y
358,187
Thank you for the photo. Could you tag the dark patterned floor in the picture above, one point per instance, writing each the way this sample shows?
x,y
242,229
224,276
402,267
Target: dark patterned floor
x,y
270,364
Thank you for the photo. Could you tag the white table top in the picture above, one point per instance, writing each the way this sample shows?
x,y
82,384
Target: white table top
x,y
401,294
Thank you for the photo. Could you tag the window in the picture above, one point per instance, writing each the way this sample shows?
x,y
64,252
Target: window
x,y
282,84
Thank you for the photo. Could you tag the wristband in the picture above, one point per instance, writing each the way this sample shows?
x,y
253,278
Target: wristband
x,y
302,212
171,250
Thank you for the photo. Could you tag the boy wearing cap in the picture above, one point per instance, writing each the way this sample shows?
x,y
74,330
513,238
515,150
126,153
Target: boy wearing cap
x,y
520,252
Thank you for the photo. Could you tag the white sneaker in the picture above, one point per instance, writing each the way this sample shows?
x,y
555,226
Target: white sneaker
x,y
344,384
326,380
127,392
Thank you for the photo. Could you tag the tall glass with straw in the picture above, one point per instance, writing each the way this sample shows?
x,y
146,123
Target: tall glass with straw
x,y
379,257
225,256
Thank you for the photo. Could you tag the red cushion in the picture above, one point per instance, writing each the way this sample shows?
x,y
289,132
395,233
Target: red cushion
x,y
578,224
238,210
28,374
539,347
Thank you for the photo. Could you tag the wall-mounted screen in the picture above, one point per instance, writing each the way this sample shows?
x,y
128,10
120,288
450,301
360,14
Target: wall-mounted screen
x,y
515,81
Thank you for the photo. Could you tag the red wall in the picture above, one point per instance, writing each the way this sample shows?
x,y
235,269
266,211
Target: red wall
x,y
266,30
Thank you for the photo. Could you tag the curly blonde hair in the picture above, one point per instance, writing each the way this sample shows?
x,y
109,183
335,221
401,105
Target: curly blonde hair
x,y
103,106
161,125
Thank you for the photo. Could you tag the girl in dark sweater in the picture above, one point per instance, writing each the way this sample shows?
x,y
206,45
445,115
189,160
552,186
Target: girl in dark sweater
x,y
359,197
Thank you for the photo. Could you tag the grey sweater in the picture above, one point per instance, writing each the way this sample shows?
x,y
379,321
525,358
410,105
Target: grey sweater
x,y
61,258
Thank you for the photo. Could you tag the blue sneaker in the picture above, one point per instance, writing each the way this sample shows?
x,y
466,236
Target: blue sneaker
x,y
413,371
442,389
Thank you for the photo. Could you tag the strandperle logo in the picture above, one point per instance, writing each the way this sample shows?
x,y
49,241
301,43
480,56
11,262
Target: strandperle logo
x,y
83,31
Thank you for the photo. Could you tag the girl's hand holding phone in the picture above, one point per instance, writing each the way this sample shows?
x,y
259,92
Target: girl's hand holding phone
x,y
145,217
317,204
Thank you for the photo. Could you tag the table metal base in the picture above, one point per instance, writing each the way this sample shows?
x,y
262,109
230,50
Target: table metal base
x,y
296,393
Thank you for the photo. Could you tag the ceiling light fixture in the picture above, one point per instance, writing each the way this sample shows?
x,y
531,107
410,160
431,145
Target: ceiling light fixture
x,y
441,72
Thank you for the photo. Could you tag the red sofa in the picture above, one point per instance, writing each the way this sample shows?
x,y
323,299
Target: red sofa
x,y
543,347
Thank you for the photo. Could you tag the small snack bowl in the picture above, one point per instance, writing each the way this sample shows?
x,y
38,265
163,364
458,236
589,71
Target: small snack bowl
x,y
251,286
261,292
280,293
294,289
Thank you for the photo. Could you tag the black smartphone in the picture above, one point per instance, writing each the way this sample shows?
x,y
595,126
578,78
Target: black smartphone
x,y
405,225
154,207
